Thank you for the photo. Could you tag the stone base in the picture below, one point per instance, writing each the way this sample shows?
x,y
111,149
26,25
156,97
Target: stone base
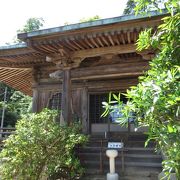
x,y
112,176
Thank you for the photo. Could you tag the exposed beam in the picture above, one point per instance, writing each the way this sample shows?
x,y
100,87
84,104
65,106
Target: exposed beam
x,y
106,76
70,44
89,44
17,52
94,42
121,49
122,38
77,44
100,42
129,36
104,40
109,71
94,84
106,71
116,39
110,39
85,46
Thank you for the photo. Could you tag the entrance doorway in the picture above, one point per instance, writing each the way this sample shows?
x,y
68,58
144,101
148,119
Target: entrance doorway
x,y
99,124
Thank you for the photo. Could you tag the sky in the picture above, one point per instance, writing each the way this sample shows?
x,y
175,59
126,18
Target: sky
x,y
14,13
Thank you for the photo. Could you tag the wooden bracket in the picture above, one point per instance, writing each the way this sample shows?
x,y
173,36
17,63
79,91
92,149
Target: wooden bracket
x,y
147,54
56,75
64,60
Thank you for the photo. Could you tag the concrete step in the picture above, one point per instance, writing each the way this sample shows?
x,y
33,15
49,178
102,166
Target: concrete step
x,y
129,171
140,150
90,163
139,144
138,178
103,177
127,157
93,177
140,163
130,150
126,154
104,144
120,136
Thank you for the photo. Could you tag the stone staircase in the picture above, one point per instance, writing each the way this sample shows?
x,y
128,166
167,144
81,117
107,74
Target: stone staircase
x,y
135,162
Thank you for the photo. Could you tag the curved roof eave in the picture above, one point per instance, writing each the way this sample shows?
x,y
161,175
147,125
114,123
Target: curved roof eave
x,y
108,21
14,46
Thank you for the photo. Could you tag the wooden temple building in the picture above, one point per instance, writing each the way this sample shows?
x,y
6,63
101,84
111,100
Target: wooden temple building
x,y
74,67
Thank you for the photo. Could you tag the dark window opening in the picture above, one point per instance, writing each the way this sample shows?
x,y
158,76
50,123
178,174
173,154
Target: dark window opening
x,y
96,109
55,101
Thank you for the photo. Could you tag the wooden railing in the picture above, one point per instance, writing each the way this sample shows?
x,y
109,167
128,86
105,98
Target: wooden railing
x,y
6,131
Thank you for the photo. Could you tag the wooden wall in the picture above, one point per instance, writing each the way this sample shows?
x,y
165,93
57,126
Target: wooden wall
x,y
44,90
108,73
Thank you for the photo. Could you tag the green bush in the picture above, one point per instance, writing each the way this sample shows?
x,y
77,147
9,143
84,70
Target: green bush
x,y
155,101
41,147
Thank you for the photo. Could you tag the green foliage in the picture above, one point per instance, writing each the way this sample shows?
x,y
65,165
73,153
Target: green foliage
x,y
10,91
16,105
20,103
94,18
32,24
41,147
143,6
155,101
10,118
130,5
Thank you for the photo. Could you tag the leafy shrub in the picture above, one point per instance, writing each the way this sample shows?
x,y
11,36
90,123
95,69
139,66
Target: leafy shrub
x,y
41,147
155,101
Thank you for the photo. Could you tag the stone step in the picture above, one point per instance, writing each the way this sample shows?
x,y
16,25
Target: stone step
x,y
127,144
129,171
126,154
138,178
119,136
127,157
118,164
103,177
93,177
140,163
130,150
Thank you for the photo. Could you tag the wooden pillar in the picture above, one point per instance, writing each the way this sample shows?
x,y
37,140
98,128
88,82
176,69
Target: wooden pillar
x,y
84,110
35,101
66,96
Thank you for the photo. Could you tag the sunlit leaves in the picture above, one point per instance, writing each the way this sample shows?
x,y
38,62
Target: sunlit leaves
x,y
155,100
159,91
144,40
40,146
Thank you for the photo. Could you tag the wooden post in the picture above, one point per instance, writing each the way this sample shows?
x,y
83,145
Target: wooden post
x,y
66,96
35,101
84,110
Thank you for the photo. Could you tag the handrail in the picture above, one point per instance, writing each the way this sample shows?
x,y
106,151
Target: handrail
x,y
6,131
5,128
